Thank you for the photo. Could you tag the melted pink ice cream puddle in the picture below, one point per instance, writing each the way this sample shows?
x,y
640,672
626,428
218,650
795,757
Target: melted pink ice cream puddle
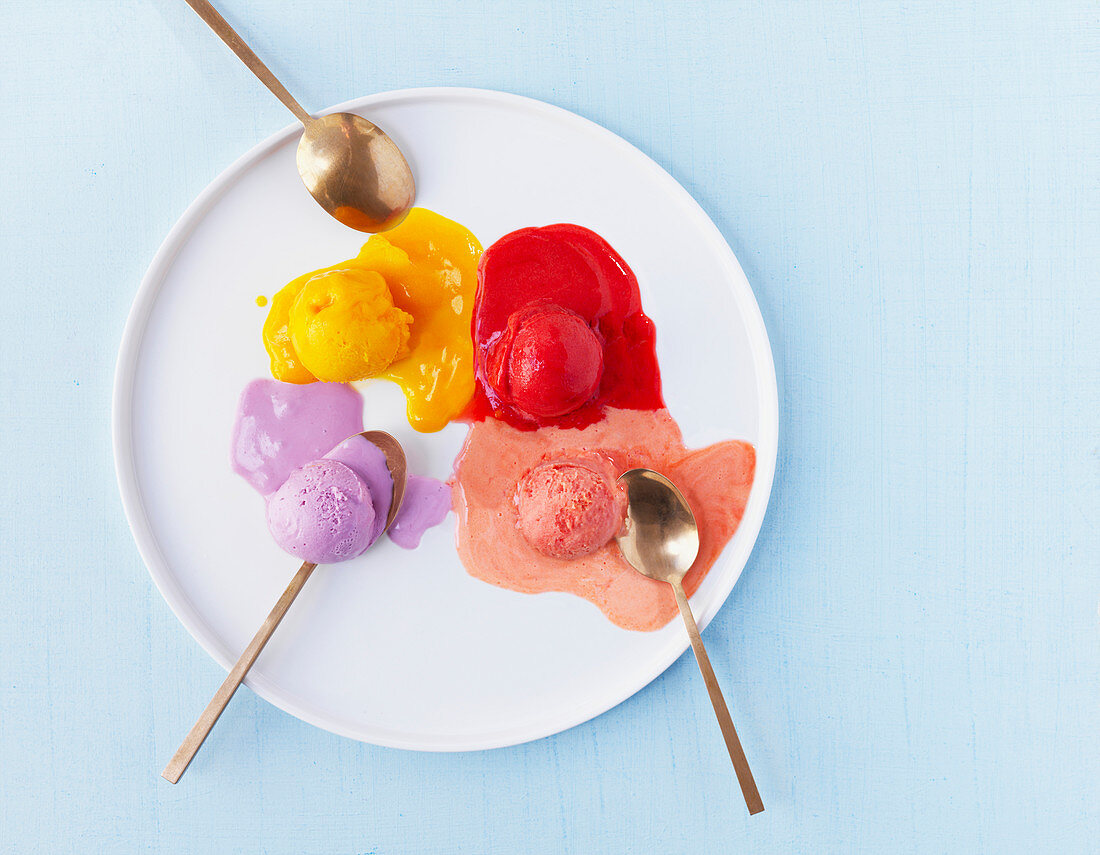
x,y
281,427
716,481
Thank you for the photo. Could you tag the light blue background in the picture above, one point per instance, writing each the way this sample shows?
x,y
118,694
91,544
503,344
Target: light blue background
x,y
913,653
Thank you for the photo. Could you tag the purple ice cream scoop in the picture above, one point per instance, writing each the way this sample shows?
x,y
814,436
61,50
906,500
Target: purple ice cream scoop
x,y
282,430
323,513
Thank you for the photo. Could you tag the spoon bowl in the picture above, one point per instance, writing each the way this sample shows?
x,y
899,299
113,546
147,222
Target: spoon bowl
x,y
396,463
355,172
660,538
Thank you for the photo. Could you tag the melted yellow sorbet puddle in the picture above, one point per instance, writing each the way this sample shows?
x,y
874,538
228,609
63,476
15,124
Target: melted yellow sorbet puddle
x,y
400,310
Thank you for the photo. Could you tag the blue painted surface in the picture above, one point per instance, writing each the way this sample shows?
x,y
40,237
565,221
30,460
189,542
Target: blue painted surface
x,y
913,651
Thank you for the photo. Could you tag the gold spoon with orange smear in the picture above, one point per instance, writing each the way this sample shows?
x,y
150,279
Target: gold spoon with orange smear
x,y
353,170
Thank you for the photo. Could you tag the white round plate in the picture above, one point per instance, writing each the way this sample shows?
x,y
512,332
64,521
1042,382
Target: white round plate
x,y
404,648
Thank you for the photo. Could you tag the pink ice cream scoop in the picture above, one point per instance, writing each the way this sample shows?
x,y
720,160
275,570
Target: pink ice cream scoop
x,y
569,508
322,513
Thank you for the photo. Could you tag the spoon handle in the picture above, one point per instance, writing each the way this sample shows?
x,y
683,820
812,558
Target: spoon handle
x,y
194,740
733,744
228,35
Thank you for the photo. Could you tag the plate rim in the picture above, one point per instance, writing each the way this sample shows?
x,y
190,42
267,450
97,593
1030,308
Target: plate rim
x,y
767,445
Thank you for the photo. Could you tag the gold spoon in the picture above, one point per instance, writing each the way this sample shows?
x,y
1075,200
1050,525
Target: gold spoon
x,y
660,539
354,171
395,462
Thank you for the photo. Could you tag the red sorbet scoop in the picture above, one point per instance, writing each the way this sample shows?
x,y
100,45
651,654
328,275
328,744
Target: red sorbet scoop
x,y
559,332
547,363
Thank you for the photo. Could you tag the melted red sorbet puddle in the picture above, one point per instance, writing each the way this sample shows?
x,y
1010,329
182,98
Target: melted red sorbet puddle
x,y
571,268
